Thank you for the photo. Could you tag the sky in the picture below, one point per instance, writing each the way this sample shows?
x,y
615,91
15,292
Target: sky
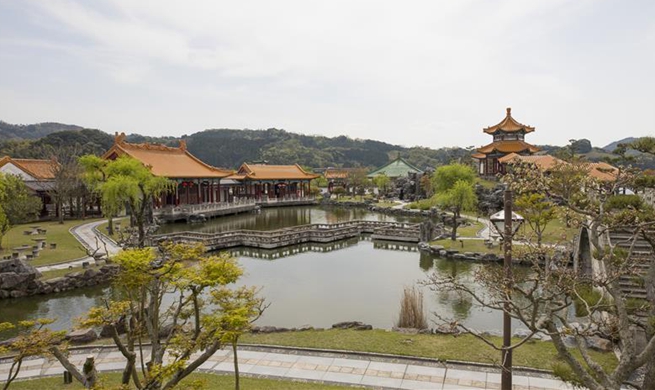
x,y
427,73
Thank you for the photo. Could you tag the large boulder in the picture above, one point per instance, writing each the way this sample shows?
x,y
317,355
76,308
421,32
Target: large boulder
x,y
82,336
17,274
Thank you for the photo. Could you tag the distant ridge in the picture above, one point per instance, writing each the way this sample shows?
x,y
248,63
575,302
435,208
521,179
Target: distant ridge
x,y
229,148
615,144
35,131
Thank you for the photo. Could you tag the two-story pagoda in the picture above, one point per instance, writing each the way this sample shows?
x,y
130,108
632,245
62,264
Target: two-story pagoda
x,y
508,137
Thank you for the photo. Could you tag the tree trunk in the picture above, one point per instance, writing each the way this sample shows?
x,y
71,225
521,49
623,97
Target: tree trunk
x,y
90,373
110,225
453,235
236,365
60,212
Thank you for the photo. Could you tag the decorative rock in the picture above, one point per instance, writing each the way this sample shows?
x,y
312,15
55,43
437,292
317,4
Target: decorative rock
x,y
268,329
305,328
600,344
357,325
521,333
81,336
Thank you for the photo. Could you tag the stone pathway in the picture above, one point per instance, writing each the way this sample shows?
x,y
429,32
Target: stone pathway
x,y
323,367
86,234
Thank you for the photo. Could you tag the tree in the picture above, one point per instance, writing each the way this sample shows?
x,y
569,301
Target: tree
x,y
382,183
359,181
541,298
445,177
460,197
538,212
33,339
19,205
453,187
67,181
128,182
95,175
200,313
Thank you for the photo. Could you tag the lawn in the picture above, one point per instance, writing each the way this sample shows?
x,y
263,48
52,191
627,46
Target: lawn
x,y
537,354
472,245
68,248
211,381
471,230
556,232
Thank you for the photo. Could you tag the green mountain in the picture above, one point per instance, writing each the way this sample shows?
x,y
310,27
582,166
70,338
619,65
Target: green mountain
x,y
35,131
229,148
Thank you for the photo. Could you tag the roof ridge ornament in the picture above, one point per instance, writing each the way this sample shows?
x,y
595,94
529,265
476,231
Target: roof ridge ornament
x,y
119,138
509,111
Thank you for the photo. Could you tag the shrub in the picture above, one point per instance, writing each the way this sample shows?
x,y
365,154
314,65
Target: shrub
x,y
412,314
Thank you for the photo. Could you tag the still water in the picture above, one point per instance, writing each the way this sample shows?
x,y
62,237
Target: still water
x,y
356,279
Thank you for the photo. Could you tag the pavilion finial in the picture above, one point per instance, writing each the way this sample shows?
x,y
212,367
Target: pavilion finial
x,y
183,144
509,111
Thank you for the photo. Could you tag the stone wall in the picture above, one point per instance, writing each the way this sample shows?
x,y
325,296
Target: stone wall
x,y
19,279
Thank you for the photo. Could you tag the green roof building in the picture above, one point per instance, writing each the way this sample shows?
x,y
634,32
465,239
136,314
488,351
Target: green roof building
x,y
396,168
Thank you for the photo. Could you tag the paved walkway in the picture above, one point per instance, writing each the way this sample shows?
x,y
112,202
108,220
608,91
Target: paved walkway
x,y
320,367
87,236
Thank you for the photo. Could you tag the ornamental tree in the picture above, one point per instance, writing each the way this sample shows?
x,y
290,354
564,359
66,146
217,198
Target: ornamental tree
x,y
33,339
180,301
126,182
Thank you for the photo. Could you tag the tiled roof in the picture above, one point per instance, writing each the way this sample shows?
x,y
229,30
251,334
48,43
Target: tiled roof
x,y
166,161
508,125
39,169
479,156
598,170
544,161
335,173
272,172
396,168
508,147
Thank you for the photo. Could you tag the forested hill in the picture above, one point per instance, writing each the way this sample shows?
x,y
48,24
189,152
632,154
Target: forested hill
x,y
35,131
229,148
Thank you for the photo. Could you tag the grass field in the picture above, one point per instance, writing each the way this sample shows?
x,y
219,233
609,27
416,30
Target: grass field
x,y
210,381
538,354
473,245
470,231
68,248
62,272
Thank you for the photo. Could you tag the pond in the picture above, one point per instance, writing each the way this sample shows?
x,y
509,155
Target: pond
x,y
357,279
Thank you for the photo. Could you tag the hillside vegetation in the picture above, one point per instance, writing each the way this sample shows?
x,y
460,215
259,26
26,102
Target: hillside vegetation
x,y
230,148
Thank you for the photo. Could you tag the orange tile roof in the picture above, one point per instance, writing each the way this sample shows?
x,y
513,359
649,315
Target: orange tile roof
x,y
166,161
332,173
479,156
544,161
272,172
598,170
603,171
39,169
508,125
508,147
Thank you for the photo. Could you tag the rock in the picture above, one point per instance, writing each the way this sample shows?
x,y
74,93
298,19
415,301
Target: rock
x,y
120,328
305,328
489,257
352,325
521,333
81,336
569,341
600,344
10,280
436,248
268,329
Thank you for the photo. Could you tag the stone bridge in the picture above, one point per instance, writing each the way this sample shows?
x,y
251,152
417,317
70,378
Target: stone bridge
x,y
317,233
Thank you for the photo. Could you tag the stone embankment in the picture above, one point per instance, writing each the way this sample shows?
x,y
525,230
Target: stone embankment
x,y
19,279
317,233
